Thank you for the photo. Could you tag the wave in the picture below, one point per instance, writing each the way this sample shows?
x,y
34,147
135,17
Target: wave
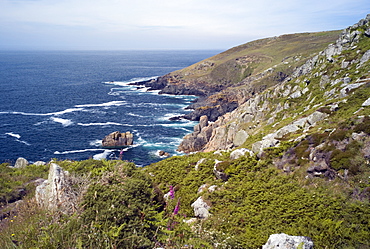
x,y
13,135
44,114
23,142
17,138
102,156
111,103
103,124
131,81
97,142
135,115
64,122
75,151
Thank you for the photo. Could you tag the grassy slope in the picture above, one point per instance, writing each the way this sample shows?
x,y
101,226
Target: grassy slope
x,y
270,51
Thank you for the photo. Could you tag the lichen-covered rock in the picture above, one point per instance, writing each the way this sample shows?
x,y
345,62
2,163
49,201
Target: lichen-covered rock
x,y
53,194
39,163
284,241
240,152
21,163
200,208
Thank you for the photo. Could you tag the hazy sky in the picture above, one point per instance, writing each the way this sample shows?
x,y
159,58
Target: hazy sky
x,y
165,24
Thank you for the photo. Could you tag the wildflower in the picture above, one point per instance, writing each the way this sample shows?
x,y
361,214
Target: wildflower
x,y
13,234
11,220
176,210
172,192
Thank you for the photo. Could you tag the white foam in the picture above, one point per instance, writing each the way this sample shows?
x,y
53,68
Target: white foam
x,y
111,103
13,135
23,142
103,124
64,122
97,143
75,151
44,114
135,115
103,155
131,81
167,116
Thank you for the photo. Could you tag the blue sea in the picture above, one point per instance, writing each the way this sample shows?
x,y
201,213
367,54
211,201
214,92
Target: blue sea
x,y
61,104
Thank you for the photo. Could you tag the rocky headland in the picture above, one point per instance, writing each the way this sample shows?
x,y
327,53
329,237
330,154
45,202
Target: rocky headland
x,y
282,147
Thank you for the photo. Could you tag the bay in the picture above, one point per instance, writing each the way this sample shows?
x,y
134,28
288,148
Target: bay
x,y
60,104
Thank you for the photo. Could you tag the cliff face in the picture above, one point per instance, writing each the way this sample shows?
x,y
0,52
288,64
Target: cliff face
x,y
301,97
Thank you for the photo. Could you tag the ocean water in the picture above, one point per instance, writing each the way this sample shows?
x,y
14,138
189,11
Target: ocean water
x,y
61,104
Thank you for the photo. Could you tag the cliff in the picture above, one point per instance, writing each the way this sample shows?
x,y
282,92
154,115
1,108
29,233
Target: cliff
x,y
309,93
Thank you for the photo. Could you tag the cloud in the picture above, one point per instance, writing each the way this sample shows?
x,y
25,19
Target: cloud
x,y
123,24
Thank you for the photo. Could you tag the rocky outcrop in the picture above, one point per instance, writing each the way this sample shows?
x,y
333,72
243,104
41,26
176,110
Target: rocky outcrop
x,y
55,193
201,208
196,140
21,163
284,241
117,140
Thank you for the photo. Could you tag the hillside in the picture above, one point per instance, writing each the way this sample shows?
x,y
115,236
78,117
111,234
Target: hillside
x,y
287,152
228,79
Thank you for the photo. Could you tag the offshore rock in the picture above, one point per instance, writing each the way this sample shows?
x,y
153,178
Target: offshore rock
x,y
117,140
285,241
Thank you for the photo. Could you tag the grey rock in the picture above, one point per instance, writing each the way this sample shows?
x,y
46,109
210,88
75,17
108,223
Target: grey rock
x,y
201,208
53,194
364,58
344,91
240,137
367,32
366,103
347,80
239,153
316,117
219,174
21,163
202,188
202,160
39,163
296,94
345,64
284,241
212,188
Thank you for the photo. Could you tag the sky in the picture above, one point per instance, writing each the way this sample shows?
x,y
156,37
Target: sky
x,y
165,24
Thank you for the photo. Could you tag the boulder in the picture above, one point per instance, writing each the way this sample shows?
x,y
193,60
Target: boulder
x,y
366,103
21,163
284,241
239,153
162,153
39,163
117,140
53,194
219,174
201,208
202,160
240,137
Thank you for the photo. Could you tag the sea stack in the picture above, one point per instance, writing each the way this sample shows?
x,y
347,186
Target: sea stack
x,y
117,140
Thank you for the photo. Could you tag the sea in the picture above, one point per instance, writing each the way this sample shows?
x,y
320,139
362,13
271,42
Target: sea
x,y
61,104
